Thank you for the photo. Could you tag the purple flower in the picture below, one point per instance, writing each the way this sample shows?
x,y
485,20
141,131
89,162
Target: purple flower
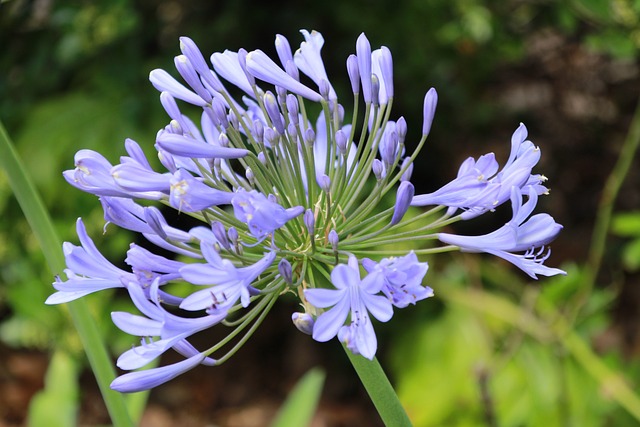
x,y
517,235
157,322
150,268
189,194
354,297
87,271
480,187
93,175
263,68
163,81
309,61
149,221
185,146
228,282
262,215
228,66
402,278
147,379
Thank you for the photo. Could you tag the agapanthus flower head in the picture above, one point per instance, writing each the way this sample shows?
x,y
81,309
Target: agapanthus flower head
x,y
289,203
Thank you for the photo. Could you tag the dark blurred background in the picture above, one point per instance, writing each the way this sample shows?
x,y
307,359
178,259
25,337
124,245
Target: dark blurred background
x,y
74,74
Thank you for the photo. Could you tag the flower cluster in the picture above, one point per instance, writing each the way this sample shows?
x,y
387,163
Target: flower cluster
x,y
288,190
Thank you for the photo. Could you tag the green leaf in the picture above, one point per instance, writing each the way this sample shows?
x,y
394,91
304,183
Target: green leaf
x,y
631,255
57,404
298,409
626,224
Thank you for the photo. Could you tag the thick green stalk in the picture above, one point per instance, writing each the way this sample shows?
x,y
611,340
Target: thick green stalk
x,y
40,222
380,391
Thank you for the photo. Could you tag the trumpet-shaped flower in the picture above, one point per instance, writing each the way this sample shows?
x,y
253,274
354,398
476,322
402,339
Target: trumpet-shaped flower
x,y
171,330
262,216
402,278
354,298
519,234
480,187
227,283
87,271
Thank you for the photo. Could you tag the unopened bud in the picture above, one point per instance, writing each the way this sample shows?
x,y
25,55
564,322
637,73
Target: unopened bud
x,y
309,222
378,169
354,73
333,240
429,110
408,164
304,322
325,183
403,200
284,267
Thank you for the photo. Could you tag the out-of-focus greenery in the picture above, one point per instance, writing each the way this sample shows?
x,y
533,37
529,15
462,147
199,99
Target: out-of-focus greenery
x,y
627,224
74,75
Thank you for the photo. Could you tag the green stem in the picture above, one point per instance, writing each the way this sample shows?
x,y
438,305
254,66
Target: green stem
x,y
40,222
380,391
605,211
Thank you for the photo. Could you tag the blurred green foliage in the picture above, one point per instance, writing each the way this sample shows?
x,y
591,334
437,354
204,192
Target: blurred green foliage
x,y
493,357
74,75
627,225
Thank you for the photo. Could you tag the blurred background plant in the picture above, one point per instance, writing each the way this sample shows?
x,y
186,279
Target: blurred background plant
x,y
491,348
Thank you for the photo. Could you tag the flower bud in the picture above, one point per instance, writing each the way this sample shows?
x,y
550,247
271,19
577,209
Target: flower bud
x,y
309,222
378,169
375,90
304,322
273,111
292,108
333,240
354,74
324,88
403,200
325,183
262,158
284,267
233,235
223,140
309,136
242,59
283,48
220,234
219,112
258,130
271,136
250,177
341,142
363,50
292,130
408,164
401,129
429,110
